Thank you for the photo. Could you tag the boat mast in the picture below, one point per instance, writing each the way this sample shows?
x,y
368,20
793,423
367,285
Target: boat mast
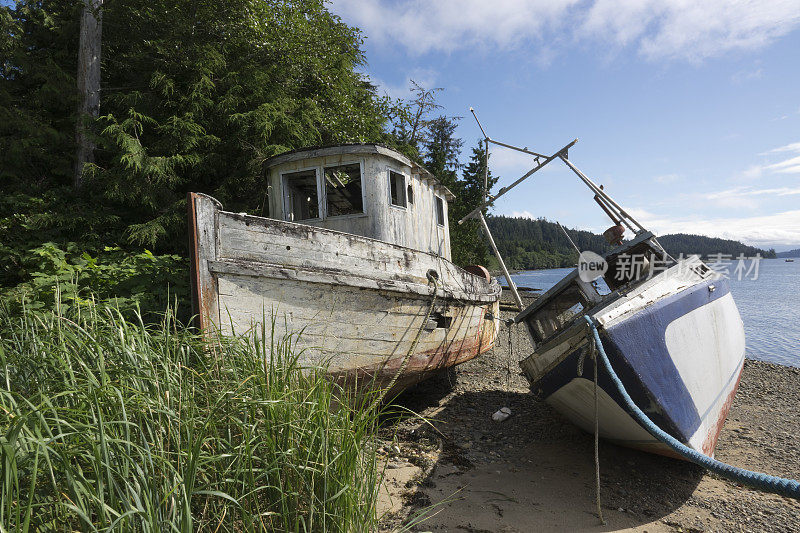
x,y
615,212
478,213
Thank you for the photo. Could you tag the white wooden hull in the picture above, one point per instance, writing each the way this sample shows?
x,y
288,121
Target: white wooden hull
x,y
354,303
678,346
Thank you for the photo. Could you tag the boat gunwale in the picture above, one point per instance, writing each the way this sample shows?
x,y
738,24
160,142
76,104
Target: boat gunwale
x,y
493,286
243,267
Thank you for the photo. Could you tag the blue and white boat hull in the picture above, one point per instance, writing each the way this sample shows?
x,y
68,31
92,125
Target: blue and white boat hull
x,y
676,342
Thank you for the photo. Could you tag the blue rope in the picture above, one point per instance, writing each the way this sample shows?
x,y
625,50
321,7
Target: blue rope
x,y
757,480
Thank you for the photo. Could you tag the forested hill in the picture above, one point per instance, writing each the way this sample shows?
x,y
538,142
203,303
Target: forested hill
x,y
681,243
527,244
790,253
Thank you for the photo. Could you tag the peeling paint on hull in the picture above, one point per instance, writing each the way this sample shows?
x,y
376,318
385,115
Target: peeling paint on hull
x,y
352,303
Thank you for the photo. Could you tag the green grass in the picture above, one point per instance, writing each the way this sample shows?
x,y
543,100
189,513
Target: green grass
x,y
108,423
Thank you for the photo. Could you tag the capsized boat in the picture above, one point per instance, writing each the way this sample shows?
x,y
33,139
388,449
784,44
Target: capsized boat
x,y
353,259
670,327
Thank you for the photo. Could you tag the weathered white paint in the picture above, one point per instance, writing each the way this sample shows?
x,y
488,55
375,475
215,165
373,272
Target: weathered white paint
x,y
677,278
575,401
354,302
707,348
413,226
706,345
549,355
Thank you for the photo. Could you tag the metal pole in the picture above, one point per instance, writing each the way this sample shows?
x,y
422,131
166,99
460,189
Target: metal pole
x,y
479,122
486,168
568,237
511,284
600,192
523,150
504,190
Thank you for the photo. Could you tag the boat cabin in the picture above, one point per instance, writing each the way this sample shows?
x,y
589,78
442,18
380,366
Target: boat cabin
x,y
629,265
363,189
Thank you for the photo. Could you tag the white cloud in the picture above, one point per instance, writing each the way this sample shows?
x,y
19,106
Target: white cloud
x,y
744,197
791,147
677,29
523,214
752,172
760,230
448,25
747,75
788,166
666,178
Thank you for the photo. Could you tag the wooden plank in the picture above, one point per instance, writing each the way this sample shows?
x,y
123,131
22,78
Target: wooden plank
x,y
203,239
362,326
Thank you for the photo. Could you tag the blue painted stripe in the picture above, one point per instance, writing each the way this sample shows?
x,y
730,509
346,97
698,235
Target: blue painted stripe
x,y
637,349
640,341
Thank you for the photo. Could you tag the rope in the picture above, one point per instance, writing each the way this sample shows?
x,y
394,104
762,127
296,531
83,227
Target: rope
x,y
596,441
757,480
431,281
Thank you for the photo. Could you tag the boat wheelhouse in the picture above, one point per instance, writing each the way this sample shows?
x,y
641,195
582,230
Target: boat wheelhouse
x,y
362,189
352,261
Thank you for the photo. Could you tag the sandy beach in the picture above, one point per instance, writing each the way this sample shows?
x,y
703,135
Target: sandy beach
x,y
535,471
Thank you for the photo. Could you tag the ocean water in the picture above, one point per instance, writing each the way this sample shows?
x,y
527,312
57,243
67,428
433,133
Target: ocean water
x,y
769,305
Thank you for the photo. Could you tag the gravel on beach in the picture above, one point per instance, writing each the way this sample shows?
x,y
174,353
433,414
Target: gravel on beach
x,y
535,471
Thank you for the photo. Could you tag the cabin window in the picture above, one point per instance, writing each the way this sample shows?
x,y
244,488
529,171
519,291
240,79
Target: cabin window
x,y
559,310
410,194
439,211
397,188
302,200
343,192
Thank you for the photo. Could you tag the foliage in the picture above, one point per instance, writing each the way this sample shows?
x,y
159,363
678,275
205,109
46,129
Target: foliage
x,y
71,278
410,122
207,91
112,425
471,247
442,151
195,95
42,214
38,47
527,244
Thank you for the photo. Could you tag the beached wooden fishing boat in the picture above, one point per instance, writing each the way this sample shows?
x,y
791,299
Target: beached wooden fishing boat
x,y
670,328
673,335
353,259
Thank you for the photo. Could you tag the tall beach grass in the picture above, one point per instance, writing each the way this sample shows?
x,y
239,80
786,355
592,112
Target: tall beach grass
x,y
108,423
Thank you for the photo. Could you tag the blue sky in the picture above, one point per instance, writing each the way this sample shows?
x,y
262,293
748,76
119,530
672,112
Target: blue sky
x,y
688,112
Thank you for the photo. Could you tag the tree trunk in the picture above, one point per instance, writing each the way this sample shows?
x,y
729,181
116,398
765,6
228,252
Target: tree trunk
x,y
88,83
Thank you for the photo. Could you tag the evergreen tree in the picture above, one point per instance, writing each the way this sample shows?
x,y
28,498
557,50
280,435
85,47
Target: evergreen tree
x,y
473,247
195,96
442,149
38,59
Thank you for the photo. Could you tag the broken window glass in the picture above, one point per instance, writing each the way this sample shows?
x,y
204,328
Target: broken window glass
x,y
343,190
